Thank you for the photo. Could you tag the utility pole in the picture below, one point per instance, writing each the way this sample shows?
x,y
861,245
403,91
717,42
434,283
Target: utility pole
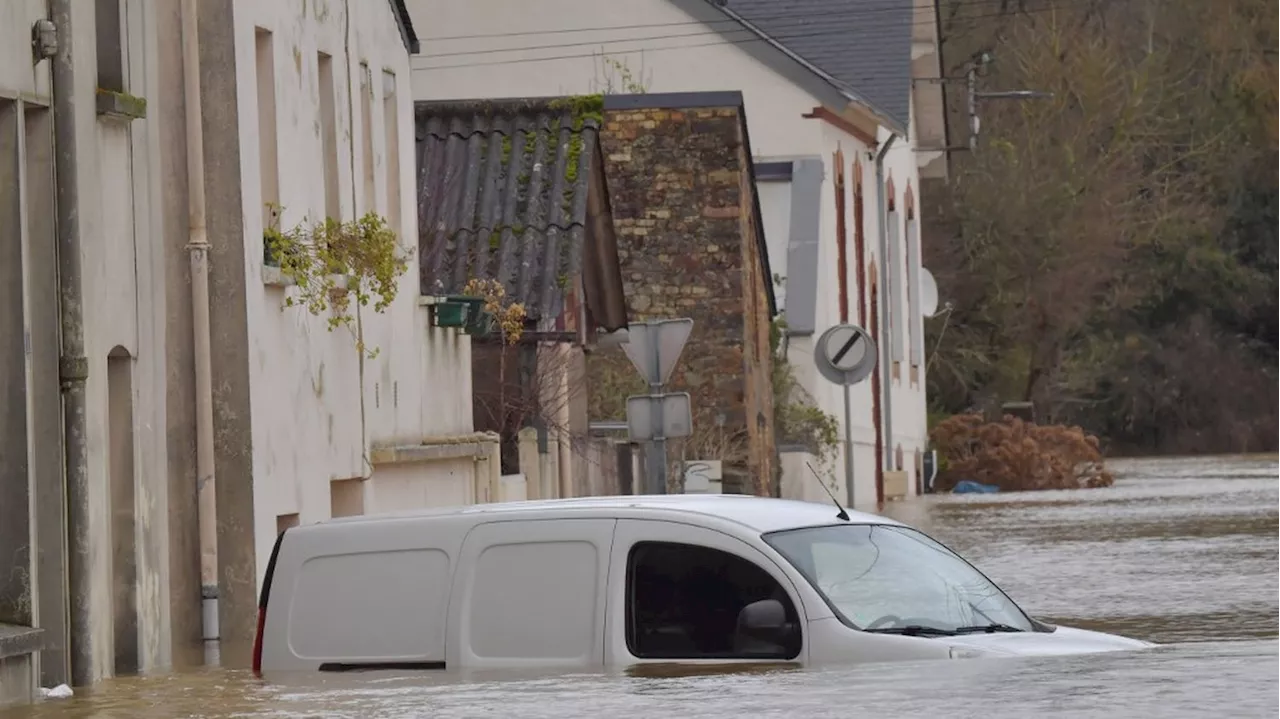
x,y
973,70
971,83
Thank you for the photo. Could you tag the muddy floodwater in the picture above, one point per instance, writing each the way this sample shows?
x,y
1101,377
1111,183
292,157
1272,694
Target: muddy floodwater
x,y
1179,552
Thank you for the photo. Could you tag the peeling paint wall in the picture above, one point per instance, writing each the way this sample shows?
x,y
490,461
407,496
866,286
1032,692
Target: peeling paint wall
x,y
123,257
119,183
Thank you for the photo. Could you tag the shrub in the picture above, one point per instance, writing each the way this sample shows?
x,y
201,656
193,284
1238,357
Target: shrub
x,y
1016,455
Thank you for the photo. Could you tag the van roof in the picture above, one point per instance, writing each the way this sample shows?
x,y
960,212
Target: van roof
x,y
761,514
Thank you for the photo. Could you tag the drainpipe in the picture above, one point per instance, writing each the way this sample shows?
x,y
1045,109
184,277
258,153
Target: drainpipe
x,y
887,285
73,366
198,248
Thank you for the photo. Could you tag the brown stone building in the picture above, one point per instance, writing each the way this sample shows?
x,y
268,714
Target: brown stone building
x,y
691,244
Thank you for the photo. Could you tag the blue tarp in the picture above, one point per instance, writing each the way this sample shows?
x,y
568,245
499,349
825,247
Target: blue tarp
x,y
968,486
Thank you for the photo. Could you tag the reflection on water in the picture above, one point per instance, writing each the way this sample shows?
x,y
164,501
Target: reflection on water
x,y
1181,552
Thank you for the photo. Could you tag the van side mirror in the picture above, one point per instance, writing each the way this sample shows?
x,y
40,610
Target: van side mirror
x,y
765,619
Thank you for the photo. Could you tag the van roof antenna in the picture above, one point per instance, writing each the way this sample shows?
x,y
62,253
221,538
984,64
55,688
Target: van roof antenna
x,y
842,514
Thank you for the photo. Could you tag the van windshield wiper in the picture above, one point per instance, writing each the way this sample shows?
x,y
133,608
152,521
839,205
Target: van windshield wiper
x,y
913,630
986,629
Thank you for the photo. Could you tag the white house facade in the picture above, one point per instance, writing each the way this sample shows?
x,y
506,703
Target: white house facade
x,y
325,130
169,414
828,88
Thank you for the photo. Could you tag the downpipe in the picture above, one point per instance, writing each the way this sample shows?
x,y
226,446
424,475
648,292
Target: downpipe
x,y
887,284
73,366
198,249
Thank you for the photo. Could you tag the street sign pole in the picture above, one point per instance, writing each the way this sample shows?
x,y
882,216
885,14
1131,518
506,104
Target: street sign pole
x,y
848,446
845,355
657,473
653,347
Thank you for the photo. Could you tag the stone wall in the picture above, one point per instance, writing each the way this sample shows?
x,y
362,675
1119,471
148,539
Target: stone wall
x,y
683,208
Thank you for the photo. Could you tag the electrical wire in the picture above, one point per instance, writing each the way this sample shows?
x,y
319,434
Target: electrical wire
x,y
864,12
773,37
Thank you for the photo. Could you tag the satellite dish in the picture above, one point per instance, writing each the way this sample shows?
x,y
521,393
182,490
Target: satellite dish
x,y
928,294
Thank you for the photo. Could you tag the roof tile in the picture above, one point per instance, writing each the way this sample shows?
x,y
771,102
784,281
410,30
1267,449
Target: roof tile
x,y
865,45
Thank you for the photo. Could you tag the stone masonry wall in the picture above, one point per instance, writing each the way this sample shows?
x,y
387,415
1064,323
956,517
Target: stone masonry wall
x,y
682,205
759,361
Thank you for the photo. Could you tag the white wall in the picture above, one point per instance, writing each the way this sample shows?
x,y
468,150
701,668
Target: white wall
x,y
909,428
123,260
908,401
476,67
705,64
313,416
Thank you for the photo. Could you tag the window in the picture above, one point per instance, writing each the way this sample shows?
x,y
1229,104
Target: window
x,y
329,137
916,328
888,578
286,521
366,134
268,141
842,262
687,602
391,138
859,243
892,282
107,26
346,497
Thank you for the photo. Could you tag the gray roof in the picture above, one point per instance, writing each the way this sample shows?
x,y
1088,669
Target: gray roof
x,y
405,25
514,190
860,47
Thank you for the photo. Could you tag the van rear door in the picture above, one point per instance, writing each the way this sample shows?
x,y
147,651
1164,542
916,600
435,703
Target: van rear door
x,y
531,593
360,596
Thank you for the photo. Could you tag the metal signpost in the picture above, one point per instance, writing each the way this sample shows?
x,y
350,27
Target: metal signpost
x,y
846,355
653,347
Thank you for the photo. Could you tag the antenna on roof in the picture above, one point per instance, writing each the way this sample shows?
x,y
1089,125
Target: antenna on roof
x,y
842,514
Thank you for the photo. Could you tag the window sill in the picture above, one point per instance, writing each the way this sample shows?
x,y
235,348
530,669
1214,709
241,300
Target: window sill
x,y
120,106
275,277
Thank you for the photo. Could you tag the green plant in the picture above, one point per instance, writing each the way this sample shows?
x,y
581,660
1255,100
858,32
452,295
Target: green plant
x,y
796,419
331,262
614,76
507,316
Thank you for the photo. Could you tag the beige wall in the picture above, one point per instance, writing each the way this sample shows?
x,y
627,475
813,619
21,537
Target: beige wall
x,y
316,407
118,180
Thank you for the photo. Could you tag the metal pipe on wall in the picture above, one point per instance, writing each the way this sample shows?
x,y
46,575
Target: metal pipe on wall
x,y
887,285
198,249
73,366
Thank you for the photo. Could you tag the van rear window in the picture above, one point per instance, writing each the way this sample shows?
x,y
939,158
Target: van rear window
x,y
375,606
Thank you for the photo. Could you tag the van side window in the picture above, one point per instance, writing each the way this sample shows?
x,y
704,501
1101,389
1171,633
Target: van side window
x,y
690,602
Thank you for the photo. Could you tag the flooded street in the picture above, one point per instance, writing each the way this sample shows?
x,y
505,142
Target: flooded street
x,y
1180,552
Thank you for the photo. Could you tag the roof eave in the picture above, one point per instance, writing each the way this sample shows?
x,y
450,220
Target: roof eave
x,y
844,90
405,24
880,117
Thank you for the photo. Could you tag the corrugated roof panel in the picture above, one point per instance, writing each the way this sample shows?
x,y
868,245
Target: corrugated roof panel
x,y
502,194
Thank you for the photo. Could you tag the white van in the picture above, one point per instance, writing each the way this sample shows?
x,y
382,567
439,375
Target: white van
x,y
618,581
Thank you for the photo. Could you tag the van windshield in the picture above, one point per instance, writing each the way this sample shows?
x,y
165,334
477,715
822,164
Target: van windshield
x,y
893,579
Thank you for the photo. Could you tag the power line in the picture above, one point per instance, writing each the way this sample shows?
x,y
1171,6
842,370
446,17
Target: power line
x,y
780,38
879,23
755,19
